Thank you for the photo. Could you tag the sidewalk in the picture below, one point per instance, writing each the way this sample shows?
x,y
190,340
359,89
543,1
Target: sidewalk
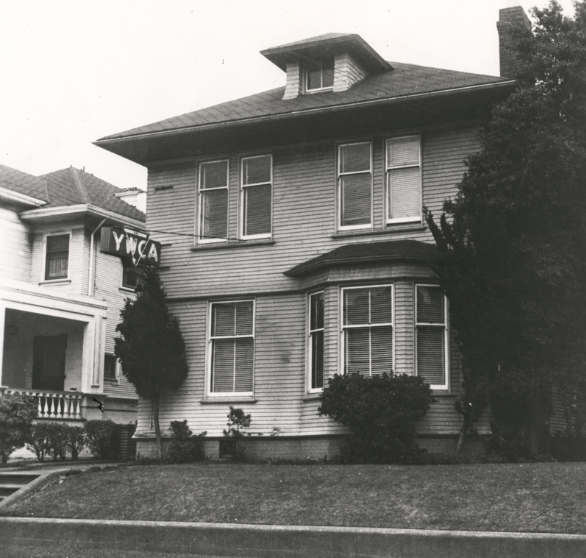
x,y
256,541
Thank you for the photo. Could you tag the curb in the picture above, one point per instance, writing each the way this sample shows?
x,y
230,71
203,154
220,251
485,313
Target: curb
x,y
262,541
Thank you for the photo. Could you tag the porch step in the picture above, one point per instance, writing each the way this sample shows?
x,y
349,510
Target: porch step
x,y
11,482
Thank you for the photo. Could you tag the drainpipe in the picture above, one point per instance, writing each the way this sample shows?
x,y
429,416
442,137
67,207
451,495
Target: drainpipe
x,y
90,282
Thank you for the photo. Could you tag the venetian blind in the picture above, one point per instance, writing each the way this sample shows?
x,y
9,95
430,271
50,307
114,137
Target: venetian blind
x,y
431,335
404,178
257,192
355,184
214,199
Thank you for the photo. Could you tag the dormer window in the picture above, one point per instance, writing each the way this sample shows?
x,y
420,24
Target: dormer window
x,y
320,76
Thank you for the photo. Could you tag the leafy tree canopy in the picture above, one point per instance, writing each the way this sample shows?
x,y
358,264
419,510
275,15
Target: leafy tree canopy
x,y
513,241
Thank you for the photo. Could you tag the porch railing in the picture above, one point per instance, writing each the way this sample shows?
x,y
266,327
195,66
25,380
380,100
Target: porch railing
x,y
54,405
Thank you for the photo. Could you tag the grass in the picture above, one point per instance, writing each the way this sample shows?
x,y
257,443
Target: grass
x,y
530,497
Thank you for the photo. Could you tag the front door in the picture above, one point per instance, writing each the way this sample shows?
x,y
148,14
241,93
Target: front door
x,y
49,362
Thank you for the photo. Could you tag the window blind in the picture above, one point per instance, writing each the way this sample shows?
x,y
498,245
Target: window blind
x,y
257,195
316,339
355,183
431,335
214,200
368,330
403,179
232,339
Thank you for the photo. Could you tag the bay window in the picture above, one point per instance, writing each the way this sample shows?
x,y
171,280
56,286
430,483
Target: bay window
x,y
232,347
431,335
367,330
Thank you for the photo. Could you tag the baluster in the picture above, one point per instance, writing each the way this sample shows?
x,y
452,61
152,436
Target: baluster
x,y
51,405
39,404
46,406
59,405
66,403
77,407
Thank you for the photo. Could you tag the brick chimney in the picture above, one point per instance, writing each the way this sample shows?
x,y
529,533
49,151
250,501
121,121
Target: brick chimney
x,y
510,18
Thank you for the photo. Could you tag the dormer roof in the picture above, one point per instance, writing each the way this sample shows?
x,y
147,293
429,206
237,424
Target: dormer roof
x,y
330,44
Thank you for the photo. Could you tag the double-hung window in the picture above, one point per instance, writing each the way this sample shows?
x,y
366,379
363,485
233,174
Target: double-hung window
x,y
355,185
57,257
232,348
367,330
110,365
403,163
257,192
432,335
213,201
320,76
316,341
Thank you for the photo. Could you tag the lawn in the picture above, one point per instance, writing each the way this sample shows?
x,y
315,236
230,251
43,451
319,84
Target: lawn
x,y
530,497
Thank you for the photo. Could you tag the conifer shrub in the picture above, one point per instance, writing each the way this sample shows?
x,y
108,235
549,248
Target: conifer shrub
x,y
381,413
233,443
185,448
103,438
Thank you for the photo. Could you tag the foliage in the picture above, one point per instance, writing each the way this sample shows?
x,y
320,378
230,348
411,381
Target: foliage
x,y
75,440
16,416
101,438
512,242
57,440
234,436
381,412
39,439
151,348
185,448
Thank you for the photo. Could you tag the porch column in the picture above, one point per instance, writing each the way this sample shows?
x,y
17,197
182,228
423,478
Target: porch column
x,y
2,322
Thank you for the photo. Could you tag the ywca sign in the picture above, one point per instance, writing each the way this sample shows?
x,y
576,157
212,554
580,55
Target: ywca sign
x,y
128,243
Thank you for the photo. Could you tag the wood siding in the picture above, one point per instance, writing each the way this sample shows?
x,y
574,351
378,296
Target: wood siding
x,y
304,226
15,248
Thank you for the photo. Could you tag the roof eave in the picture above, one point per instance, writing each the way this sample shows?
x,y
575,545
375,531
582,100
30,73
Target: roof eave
x,y
48,214
16,197
106,141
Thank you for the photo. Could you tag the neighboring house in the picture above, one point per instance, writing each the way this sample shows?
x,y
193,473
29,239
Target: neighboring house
x,y
296,246
60,297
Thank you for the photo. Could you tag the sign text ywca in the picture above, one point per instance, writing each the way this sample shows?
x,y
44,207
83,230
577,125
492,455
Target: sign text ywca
x,y
129,243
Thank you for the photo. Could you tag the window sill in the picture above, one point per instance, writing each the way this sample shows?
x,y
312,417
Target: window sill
x,y
228,245
55,282
311,397
390,229
127,290
111,380
224,400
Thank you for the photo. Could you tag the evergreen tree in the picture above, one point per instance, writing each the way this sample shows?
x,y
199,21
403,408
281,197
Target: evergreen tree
x,y
151,348
513,241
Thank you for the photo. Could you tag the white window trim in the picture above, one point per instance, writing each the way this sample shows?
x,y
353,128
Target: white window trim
x,y
339,187
309,345
44,269
318,89
342,366
199,219
388,168
242,197
446,385
228,394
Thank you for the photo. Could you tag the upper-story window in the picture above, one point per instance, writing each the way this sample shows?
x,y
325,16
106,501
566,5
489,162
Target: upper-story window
x,y
257,193
432,335
367,330
57,257
130,275
110,367
213,201
355,185
320,75
403,162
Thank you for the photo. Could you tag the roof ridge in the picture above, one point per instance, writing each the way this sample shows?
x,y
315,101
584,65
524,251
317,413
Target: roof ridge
x,y
83,193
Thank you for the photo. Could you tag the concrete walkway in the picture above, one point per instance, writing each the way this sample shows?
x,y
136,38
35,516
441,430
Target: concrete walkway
x,y
264,541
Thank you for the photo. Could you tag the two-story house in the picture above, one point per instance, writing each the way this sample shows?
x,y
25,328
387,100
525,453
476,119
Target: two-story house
x,y
60,296
296,246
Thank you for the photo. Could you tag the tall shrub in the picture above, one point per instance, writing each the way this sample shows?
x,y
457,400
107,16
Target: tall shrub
x,y
381,412
16,417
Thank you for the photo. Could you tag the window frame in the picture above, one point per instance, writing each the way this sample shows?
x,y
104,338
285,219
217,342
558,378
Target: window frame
x,y
209,347
321,68
126,266
200,239
44,277
446,385
311,389
242,212
388,169
339,176
342,365
116,367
